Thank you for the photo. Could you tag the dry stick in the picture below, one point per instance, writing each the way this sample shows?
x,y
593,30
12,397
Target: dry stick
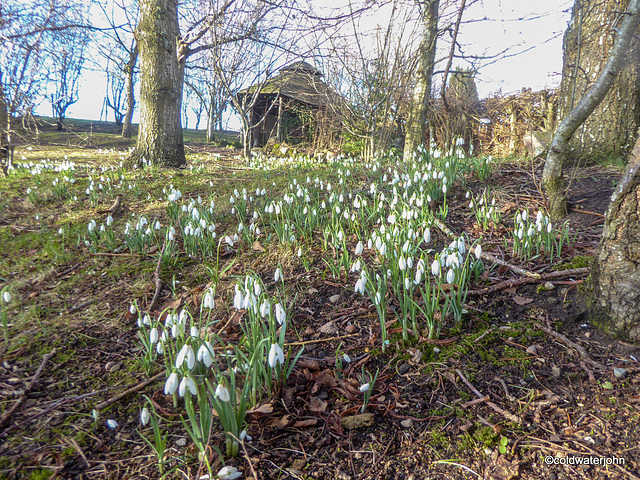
x,y
574,272
447,231
580,349
133,389
156,279
506,414
5,417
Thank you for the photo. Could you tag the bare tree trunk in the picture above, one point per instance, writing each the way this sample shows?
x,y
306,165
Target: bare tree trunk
x,y
131,100
160,138
552,178
615,275
415,128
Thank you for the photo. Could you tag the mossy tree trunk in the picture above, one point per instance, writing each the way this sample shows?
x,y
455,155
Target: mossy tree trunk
x,y
615,275
552,178
415,127
160,139
610,129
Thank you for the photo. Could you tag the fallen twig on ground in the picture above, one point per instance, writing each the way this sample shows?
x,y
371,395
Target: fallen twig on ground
x,y
129,391
6,415
507,415
579,348
574,272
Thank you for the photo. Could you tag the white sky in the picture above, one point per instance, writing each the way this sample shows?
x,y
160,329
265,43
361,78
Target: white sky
x,y
538,42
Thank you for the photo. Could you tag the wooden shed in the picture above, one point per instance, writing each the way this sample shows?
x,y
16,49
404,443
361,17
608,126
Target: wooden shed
x,y
290,105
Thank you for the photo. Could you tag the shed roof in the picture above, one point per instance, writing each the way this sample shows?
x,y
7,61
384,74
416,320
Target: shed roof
x,y
298,81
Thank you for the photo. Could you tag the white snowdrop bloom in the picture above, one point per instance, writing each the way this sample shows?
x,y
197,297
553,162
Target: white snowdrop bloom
x,y
187,382
364,387
461,246
6,296
549,227
402,264
171,384
356,266
521,233
276,355
427,235
205,353
132,309
451,276
407,283
112,424
145,416
228,473
277,274
435,268
223,394
281,315
478,251
531,232
186,354
153,336
539,216
194,332
383,249
525,215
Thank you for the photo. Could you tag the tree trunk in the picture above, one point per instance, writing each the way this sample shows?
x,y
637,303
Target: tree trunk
x,y
415,127
131,100
552,178
160,140
615,275
610,129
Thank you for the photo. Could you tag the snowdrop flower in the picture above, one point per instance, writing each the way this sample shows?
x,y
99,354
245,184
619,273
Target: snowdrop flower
x,y
160,348
112,424
6,296
109,220
238,299
223,394
278,274
435,268
132,309
205,354
281,316
92,225
382,249
461,247
186,353
145,416
276,355
525,214
208,299
359,248
187,382
451,276
346,358
549,227
364,387
194,332
427,235
407,283
402,263
153,336
228,473
171,385
478,251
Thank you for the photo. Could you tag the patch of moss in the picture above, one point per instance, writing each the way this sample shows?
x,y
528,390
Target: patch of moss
x,y
579,261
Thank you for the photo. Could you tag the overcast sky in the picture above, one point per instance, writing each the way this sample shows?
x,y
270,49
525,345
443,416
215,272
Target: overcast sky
x,y
534,58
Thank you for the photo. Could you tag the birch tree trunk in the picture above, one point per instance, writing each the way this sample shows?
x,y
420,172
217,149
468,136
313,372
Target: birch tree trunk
x,y
552,178
415,127
160,139
615,274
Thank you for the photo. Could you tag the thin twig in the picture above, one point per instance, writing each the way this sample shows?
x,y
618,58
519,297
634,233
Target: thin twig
x,y
506,414
5,417
129,391
156,279
579,348
574,272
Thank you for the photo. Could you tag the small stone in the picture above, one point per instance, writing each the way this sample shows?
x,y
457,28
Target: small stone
x,y
619,372
549,286
181,442
552,300
112,366
334,298
408,423
404,368
556,372
532,350
350,328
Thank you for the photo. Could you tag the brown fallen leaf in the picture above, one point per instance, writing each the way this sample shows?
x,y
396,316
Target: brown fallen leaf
x,y
357,421
317,405
309,363
522,300
257,246
264,409
310,422
281,422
